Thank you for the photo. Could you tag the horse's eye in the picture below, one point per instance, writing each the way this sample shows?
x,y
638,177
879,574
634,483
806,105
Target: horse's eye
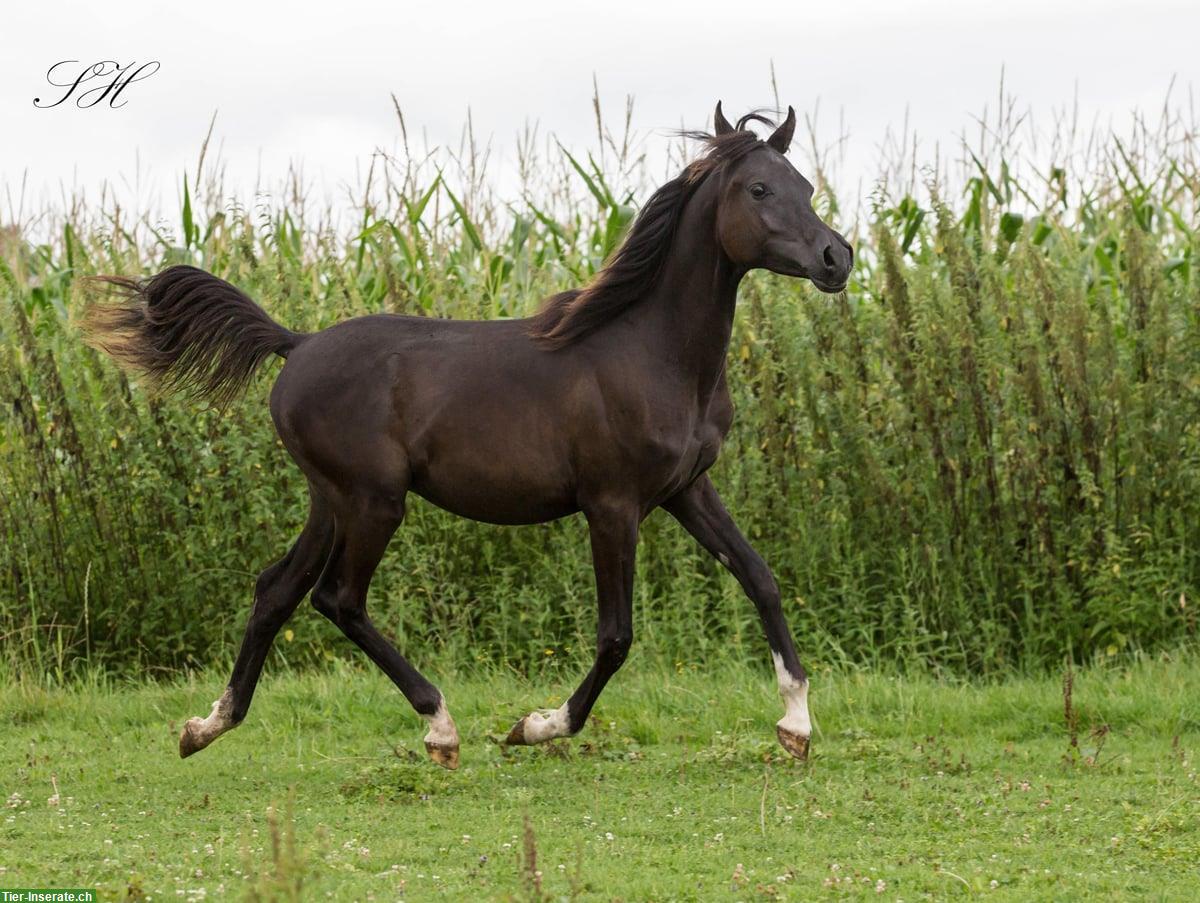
x,y
758,191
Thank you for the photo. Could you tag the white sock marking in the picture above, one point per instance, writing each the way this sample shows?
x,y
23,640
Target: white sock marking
x,y
543,726
795,700
442,731
206,730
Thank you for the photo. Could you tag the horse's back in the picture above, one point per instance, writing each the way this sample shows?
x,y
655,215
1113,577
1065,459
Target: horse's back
x,y
453,409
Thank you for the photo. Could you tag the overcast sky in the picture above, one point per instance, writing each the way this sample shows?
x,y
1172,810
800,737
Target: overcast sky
x,y
313,83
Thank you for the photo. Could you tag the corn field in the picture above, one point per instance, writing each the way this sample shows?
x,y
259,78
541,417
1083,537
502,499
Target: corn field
x,y
984,454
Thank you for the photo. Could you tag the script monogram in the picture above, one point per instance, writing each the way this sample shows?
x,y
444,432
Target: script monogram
x,y
95,83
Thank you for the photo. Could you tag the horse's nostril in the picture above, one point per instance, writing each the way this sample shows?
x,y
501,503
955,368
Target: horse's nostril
x,y
827,256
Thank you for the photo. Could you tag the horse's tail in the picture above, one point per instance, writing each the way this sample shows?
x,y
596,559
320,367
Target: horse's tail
x,y
186,330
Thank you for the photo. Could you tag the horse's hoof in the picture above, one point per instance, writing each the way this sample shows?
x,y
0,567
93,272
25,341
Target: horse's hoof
x,y
516,737
540,726
796,745
189,741
446,756
200,732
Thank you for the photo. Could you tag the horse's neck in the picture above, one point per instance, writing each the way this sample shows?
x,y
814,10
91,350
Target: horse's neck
x,y
690,310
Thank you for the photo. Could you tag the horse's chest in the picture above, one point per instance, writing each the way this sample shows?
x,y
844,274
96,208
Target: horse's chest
x,y
678,456
703,449
664,445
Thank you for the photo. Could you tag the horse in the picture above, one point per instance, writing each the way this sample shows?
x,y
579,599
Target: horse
x,y
611,400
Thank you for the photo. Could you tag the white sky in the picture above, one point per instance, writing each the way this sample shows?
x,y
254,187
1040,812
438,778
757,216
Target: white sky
x,y
312,83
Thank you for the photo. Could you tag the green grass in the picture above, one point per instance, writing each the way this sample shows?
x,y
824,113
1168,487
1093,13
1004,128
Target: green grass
x,y
918,789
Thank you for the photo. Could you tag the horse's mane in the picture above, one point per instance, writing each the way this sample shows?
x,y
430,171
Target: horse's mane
x,y
636,265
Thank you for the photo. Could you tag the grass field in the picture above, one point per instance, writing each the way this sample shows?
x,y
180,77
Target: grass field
x,y
917,789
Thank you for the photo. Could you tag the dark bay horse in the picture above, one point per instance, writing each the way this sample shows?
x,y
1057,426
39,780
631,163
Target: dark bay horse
x,y
611,401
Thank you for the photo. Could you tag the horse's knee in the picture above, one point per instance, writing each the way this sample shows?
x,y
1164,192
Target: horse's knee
x,y
613,648
340,604
324,600
350,614
763,589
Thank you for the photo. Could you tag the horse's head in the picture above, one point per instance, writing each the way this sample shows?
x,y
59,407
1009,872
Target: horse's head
x,y
765,217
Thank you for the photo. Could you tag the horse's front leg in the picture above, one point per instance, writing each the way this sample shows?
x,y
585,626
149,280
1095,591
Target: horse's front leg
x,y
702,514
614,533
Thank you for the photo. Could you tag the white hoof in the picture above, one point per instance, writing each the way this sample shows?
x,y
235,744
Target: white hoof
x,y
200,732
538,727
442,740
794,729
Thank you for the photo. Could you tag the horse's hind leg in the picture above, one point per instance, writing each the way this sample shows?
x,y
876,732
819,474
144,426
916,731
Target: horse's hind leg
x,y
277,593
341,595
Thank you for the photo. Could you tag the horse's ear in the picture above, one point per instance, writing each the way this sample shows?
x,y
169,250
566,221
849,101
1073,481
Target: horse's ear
x,y
721,125
782,137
